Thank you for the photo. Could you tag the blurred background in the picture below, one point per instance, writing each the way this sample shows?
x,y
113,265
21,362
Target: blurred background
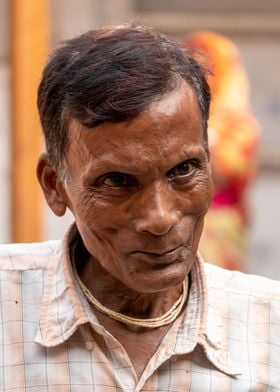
x,y
30,29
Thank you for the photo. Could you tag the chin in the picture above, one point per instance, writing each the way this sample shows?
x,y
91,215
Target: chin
x,y
161,279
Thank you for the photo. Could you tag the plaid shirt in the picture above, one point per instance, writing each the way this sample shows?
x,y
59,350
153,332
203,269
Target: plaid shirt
x,y
227,339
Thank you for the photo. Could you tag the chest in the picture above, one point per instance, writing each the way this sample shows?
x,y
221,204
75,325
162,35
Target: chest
x,y
79,366
87,362
141,347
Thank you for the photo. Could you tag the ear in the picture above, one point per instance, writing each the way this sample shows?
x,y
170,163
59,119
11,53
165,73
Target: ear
x,y
52,187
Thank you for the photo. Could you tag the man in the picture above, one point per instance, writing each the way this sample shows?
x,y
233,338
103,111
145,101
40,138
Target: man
x,y
125,302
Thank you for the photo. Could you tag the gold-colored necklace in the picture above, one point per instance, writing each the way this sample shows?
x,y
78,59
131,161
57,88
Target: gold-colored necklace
x,y
165,319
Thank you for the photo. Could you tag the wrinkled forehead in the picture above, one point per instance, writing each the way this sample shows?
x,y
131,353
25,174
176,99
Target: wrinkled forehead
x,y
178,105
170,124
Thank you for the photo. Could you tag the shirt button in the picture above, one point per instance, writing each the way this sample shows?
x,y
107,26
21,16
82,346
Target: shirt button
x,y
174,358
89,345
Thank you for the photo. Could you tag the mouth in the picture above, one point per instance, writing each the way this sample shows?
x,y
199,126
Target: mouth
x,y
161,258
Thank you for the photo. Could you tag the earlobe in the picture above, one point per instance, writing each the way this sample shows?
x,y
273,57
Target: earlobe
x,y
51,185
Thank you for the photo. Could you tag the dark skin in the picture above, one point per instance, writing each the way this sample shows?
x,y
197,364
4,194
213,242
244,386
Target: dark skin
x,y
139,191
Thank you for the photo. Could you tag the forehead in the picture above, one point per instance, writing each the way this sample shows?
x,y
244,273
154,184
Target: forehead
x,y
170,124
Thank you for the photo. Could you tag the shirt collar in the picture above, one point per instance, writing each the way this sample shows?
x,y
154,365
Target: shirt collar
x,y
64,308
202,324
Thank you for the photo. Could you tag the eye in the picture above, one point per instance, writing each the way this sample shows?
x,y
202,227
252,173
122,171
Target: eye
x,y
184,169
116,180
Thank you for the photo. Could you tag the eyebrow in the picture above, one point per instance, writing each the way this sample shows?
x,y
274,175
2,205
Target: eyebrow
x,y
104,164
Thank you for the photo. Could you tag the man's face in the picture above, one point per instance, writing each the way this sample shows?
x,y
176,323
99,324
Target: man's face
x,y
139,191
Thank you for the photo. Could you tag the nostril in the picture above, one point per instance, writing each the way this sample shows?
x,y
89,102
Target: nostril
x,y
156,224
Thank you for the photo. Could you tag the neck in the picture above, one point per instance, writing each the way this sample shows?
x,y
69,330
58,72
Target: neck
x,y
114,295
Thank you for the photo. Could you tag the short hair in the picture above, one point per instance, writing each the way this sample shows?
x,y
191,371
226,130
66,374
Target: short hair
x,y
112,74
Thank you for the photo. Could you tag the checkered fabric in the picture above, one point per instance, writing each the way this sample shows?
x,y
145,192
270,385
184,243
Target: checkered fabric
x,y
227,339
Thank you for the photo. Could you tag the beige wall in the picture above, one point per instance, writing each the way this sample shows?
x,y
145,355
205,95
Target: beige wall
x,y
72,17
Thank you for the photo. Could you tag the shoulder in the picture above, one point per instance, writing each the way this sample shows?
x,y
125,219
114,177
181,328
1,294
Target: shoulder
x,y
20,257
235,283
243,318
243,306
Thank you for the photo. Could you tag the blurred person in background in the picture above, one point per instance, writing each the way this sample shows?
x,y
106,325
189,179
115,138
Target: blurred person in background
x,y
233,140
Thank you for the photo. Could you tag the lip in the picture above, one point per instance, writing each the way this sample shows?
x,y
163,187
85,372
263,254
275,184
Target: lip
x,y
166,257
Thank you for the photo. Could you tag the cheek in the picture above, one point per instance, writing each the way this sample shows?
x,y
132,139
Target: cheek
x,y
198,230
204,193
89,210
103,212
99,244
107,222
197,200
100,226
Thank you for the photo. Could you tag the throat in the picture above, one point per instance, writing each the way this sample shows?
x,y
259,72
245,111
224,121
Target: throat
x,y
112,298
131,307
139,343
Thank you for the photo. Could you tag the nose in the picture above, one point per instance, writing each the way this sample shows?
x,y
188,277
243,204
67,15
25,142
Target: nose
x,y
156,211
